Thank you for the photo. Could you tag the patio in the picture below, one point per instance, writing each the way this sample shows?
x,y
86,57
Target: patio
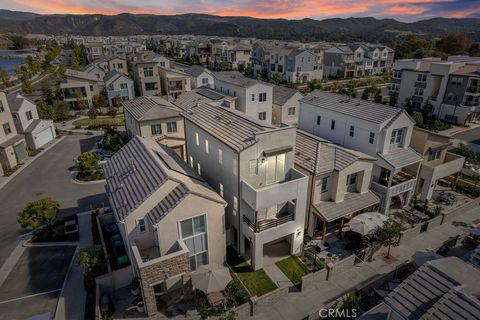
x,y
330,250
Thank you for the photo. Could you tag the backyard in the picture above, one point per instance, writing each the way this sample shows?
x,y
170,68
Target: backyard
x,y
100,122
293,268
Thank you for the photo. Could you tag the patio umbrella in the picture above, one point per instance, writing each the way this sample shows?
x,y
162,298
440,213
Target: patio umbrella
x,y
367,222
422,256
210,278
473,231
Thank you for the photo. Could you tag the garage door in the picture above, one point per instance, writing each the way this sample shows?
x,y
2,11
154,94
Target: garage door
x,y
43,137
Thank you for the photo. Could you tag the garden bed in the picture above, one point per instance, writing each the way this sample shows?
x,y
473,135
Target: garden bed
x,y
90,176
311,262
55,233
293,268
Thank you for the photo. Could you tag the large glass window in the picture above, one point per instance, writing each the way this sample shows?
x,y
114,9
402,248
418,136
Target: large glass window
x,y
172,126
275,168
194,234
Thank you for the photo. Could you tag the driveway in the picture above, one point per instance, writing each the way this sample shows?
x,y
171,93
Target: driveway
x,y
47,176
34,286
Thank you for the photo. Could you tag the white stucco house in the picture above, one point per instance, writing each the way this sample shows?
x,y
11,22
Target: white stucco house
x,y
118,87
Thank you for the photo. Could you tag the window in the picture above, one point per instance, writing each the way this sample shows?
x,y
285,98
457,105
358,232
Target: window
x,y
434,155
194,234
148,72
123,86
262,115
149,86
206,146
352,179
262,97
156,129
451,97
396,137
220,189
457,81
291,111
199,169
220,156
29,115
422,77
120,65
2,108
162,63
253,97
6,128
352,131
204,81
234,166
332,125
172,126
371,138
397,74
191,161
418,92
235,203
319,118
395,87
141,225
324,185
253,167
197,140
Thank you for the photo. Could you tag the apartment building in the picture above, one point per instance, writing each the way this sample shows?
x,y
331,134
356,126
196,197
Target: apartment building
x,y
174,82
285,105
156,118
80,85
380,131
339,183
37,132
147,78
295,64
451,87
254,97
13,148
251,165
170,220
437,162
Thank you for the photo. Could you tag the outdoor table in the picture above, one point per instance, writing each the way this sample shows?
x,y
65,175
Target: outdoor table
x,y
215,299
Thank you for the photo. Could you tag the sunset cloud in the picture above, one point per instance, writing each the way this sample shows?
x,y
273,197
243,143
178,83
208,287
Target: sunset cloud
x,y
406,10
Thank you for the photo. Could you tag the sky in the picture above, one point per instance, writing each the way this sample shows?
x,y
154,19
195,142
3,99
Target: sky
x,y
403,10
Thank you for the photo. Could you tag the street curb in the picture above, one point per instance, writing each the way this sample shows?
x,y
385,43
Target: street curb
x,y
3,184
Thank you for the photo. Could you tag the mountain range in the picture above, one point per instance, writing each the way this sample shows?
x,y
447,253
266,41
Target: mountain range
x,y
336,29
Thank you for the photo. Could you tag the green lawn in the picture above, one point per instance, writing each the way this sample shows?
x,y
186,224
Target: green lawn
x,y
293,268
100,121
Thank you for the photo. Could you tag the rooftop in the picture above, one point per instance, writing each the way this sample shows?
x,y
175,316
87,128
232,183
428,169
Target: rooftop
x,y
238,79
282,94
202,95
151,108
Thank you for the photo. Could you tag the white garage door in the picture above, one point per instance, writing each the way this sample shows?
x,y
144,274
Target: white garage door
x,y
43,137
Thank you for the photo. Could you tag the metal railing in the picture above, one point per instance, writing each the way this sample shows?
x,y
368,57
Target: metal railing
x,y
268,223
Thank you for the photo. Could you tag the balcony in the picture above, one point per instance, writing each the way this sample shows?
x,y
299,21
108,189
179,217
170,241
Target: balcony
x,y
438,169
286,216
472,89
280,192
401,182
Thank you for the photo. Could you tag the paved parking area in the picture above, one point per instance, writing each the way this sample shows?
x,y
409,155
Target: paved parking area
x,y
34,285
47,176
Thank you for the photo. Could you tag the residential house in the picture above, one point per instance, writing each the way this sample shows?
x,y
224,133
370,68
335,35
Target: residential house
x,y
437,162
94,50
285,105
339,183
440,289
232,54
37,132
201,77
190,99
147,78
450,87
118,87
156,118
375,129
254,97
251,165
170,220
80,85
108,64
174,82
13,148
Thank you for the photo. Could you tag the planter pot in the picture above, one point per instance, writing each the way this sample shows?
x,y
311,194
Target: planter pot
x,y
135,292
140,307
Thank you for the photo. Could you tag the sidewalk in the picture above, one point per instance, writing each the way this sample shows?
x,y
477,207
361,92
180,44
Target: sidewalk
x,y
71,303
298,305
48,146
277,276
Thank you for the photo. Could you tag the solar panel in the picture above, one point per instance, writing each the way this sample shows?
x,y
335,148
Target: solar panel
x,y
210,94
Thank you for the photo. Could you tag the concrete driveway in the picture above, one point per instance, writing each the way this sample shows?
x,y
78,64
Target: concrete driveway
x,y
34,286
47,176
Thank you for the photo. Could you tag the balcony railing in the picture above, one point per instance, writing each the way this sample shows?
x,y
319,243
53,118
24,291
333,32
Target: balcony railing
x,y
401,182
266,224
472,89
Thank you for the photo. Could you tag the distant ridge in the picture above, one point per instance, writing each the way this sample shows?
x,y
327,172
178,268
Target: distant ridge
x,y
350,29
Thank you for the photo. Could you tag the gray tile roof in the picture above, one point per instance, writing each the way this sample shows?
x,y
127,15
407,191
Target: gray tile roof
x,y
238,79
15,101
12,140
81,75
195,70
433,292
202,95
317,155
281,94
366,110
168,203
231,127
401,157
150,108
331,211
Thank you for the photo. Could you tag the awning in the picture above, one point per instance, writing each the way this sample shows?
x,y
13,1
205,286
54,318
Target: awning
x,y
275,151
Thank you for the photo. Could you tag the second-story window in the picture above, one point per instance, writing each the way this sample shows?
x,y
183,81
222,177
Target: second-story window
x,y
123,86
371,137
434,155
6,128
253,97
142,227
418,92
291,111
172,126
397,74
422,77
352,131
220,156
352,179
29,115
156,129
197,140
397,136
319,119
332,125
262,97
262,116
324,185
148,72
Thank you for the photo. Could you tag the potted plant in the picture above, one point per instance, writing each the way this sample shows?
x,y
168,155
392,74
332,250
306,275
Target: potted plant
x,y
203,311
135,286
140,307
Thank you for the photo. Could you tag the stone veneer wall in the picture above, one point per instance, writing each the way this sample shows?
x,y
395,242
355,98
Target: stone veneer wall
x,y
157,272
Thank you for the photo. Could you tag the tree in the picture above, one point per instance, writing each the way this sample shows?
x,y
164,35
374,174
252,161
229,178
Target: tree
x,y
99,101
314,84
454,43
418,117
47,93
352,303
19,42
62,110
46,111
469,154
411,47
82,103
4,77
88,162
38,213
112,140
93,261
389,234
112,112
92,113
276,78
